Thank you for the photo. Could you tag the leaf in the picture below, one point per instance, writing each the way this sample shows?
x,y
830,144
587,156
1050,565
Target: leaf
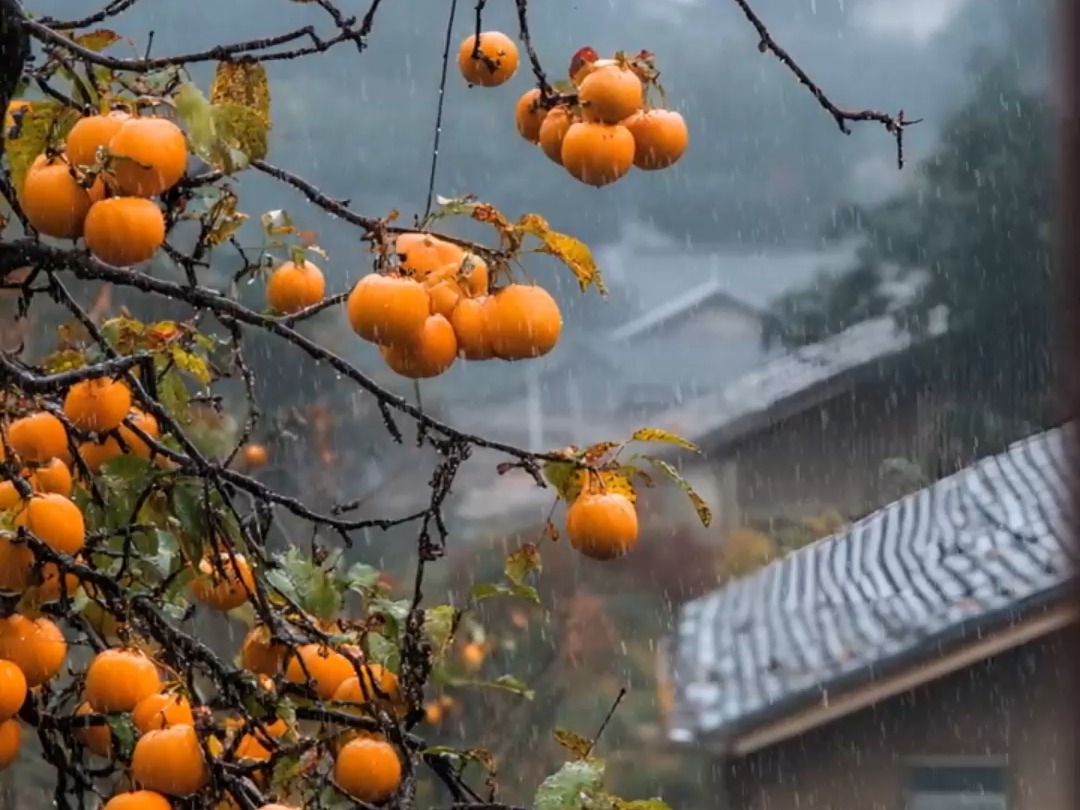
x,y
64,360
560,474
97,40
243,131
509,683
362,578
381,650
663,436
166,550
245,84
123,732
438,626
573,742
314,588
577,785
613,481
702,508
223,220
523,562
568,250
639,804
487,590
192,363
44,123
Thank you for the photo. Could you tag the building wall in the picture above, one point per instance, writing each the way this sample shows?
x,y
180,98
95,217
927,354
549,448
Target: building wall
x,y
1018,707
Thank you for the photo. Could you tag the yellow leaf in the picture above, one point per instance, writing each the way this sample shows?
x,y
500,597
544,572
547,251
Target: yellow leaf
x,y
244,84
277,223
44,123
664,437
97,40
223,220
703,512
194,365
241,130
573,742
568,250
603,481
64,360
561,476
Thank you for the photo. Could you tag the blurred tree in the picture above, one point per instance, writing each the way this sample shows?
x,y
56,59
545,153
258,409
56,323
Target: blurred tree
x,y
974,229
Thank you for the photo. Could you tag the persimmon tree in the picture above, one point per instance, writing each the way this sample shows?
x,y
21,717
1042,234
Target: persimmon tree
x,y
132,513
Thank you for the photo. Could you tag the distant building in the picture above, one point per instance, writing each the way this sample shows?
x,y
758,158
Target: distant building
x,y
916,661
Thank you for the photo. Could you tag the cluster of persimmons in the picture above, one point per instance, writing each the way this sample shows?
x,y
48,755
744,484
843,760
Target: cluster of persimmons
x,y
174,740
597,133
100,186
433,305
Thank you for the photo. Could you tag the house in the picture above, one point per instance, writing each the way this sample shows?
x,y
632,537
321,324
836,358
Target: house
x,y
916,661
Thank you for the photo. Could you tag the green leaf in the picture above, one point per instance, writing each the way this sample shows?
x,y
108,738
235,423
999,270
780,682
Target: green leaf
x,y
97,40
166,550
663,437
393,611
362,578
573,742
243,131
438,626
123,732
44,123
523,562
703,512
189,520
313,588
577,785
508,683
382,650
486,590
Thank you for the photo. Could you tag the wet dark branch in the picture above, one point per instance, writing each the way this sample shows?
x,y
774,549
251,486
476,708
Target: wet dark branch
x,y
894,124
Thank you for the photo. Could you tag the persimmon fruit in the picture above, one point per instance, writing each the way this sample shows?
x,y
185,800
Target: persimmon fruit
x,y
223,586
472,656
326,668
522,321
97,405
496,60
91,134
444,295
260,654
429,354
96,454
368,770
97,738
553,131
54,202
597,154
660,138
388,309
161,710
52,476
36,646
170,761
10,742
424,253
55,520
149,156
12,690
138,800
117,680
255,455
602,526
529,115
374,675
609,94
469,320
293,287
124,231
38,437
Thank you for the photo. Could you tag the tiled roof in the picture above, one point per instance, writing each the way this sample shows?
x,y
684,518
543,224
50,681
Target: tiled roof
x,y
973,550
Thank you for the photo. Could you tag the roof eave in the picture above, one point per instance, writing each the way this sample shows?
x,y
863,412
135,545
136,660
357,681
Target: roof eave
x,y
736,738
